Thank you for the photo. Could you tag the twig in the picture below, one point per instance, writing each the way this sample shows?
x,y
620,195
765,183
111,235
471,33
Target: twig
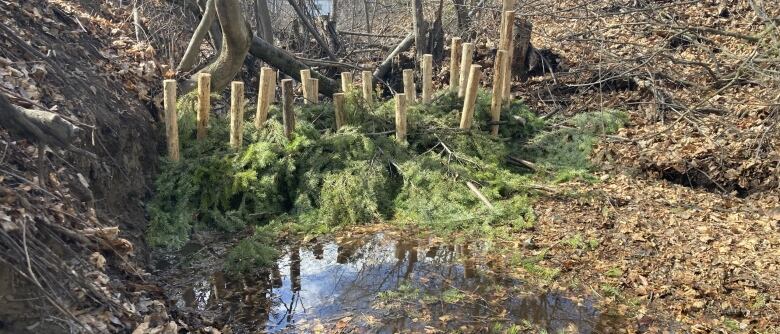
x,y
479,194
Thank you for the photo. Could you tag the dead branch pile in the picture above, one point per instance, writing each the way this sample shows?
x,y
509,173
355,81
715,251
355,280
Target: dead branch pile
x,y
700,76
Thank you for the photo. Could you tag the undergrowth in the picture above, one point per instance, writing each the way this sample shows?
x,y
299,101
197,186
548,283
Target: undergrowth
x,y
323,179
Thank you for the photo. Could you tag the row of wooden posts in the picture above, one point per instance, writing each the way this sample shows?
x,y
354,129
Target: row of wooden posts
x,y
464,78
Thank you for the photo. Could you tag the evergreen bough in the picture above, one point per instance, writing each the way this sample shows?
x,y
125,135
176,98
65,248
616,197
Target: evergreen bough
x,y
323,179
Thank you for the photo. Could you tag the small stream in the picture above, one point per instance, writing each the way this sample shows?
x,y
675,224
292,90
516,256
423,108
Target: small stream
x,y
376,283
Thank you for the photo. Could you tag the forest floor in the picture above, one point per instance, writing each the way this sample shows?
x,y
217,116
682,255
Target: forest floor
x,y
678,230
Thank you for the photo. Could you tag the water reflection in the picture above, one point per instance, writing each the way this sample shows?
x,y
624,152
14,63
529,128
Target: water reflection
x,y
327,281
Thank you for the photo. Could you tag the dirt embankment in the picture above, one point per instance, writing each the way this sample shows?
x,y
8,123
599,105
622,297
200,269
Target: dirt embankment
x,y
75,239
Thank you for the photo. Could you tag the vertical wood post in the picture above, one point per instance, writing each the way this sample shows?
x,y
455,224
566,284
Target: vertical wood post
x,y
498,90
265,95
410,90
314,89
455,50
171,126
338,106
368,93
346,82
507,44
467,117
305,85
236,114
427,77
507,23
288,116
204,104
400,117
465,67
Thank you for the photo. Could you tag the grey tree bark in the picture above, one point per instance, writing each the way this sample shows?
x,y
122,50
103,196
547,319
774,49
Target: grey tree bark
x,y
385,66
265,30
462,13
420,27
313,30
288,64
235,46
193,48
40,126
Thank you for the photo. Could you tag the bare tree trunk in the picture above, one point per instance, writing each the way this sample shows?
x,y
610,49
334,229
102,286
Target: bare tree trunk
x,y
215,34
462,14
334,12
193,49
368,17
313,30
420,27
288,64
264,21
235,46
523,49
436,37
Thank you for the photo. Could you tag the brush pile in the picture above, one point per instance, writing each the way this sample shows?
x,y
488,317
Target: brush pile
x,y
444,177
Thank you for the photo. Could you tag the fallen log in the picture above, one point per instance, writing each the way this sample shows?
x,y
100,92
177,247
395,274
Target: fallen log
x,y
385,66
289,64
40,126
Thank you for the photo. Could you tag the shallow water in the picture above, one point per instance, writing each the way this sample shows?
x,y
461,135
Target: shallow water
x,y
385,284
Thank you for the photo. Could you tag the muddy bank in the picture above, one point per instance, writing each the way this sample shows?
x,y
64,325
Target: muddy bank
x,y
372,281
73,217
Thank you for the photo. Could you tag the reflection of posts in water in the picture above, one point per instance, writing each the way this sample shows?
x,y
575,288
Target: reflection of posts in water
x,y
431,253
347,249
276,276
295,268
449,255
412,261
402,248
218,284
469,267
318,251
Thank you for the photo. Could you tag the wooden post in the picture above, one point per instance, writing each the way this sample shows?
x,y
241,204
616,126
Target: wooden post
x,y
305,85
467,117
288,116
427,77
507,23
346,82
204,104
368,93
264,95
171,126
236,114
455,50
465,67
498,90
400,117
314,90
507,33
410,90
338,106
